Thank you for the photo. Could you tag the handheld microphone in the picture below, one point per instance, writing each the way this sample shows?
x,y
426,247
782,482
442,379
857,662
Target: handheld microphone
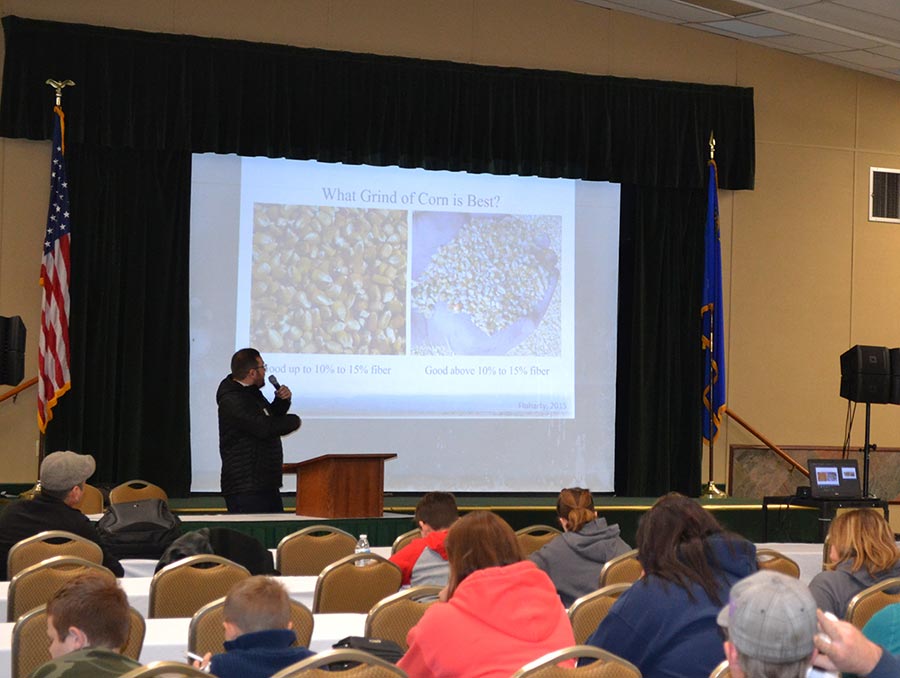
x,y
274,382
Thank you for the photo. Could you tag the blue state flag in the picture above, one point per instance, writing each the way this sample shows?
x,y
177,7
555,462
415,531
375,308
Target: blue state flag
x,y
712,312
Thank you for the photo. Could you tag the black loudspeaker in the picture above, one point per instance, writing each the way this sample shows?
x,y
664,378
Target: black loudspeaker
x,y
12,350
895,375
866,374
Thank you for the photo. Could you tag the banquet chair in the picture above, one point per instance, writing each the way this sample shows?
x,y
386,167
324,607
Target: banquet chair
x,y
309,551
869,601
369,666
404,539
91,500
35,585
182,588
135,490
722,670
607,665
30,647
206,634
587,612
770,559
166,669
47,544
623,569
345,586
533,537
391,618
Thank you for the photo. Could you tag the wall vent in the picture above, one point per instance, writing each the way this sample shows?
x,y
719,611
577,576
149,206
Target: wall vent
x,y
884,194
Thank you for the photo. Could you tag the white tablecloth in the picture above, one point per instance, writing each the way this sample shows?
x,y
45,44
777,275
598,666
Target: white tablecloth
x,y
166,639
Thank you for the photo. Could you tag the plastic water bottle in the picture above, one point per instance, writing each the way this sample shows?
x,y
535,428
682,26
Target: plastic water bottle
x,y
362,546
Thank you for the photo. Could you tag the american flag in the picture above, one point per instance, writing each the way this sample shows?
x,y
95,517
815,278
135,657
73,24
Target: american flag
x,y
53,354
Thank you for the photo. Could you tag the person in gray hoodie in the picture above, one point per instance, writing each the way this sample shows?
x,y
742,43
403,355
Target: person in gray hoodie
x,y
862,553
574,559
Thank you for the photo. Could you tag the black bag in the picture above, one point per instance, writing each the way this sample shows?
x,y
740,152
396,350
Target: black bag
x,y
138,529
383,649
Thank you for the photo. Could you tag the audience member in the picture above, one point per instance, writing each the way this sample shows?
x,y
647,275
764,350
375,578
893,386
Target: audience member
x,y
88,621
770,623
424,559
258,636
501,612
862,553
843,647
884,628
665,623
62,478
574,560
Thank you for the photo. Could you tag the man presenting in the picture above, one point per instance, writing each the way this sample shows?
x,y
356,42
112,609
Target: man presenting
x,y
250,430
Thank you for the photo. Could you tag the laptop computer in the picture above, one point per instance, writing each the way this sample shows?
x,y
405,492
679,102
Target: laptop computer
x,y
834,479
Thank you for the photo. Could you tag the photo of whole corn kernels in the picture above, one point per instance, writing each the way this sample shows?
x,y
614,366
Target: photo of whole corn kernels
x,y
328,280
485,284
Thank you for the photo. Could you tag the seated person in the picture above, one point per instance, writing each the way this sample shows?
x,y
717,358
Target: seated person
x,y
574,560
843,647
501,612
862,553
665,623
424,559
884,628
88,621
770,623
258,636
62,479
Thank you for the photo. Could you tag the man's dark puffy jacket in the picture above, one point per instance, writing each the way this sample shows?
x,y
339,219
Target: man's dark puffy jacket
x,y
250,430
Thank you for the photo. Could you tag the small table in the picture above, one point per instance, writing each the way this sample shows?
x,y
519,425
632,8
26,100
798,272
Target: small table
x,y
827,509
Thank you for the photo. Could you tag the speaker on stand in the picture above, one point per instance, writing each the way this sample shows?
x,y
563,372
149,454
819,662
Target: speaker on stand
x,y
866,378
12,350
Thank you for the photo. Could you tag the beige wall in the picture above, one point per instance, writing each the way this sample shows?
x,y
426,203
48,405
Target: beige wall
x,y
806,275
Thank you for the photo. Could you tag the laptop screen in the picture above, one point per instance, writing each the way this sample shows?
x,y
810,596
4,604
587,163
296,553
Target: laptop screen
x,y
834,479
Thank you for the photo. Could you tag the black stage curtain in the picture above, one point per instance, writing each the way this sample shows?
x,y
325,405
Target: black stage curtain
x,y
170,93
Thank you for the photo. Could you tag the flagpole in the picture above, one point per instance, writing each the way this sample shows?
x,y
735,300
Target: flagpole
x,y
710,491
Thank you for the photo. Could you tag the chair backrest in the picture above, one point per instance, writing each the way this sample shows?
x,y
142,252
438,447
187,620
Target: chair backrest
x,y
166,669
47,544
35,585
91,500
405,539
370,666
607,665
623,569
391,618
770,559
309,551
346,587
182,588
869,601
723,670
533,537
30,647
587,612
206,634
135,490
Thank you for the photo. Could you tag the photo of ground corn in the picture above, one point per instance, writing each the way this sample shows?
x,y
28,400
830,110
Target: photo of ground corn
x,y
328,280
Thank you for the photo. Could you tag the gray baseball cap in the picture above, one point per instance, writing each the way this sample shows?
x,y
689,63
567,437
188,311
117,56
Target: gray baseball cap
x,y
64,470
771,617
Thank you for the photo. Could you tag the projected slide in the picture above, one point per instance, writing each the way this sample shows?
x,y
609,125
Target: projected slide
x,y
456,306
465,322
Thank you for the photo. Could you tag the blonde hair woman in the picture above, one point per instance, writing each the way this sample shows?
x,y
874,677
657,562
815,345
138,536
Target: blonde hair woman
x,y
862,553
573,561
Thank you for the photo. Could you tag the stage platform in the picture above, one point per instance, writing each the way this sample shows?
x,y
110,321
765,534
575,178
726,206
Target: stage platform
x,y
744,516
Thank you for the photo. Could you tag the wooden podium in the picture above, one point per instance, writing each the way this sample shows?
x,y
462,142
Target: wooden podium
x,y
340,485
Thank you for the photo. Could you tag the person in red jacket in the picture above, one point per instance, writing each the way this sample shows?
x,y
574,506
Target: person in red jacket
x,y
501,612
424,559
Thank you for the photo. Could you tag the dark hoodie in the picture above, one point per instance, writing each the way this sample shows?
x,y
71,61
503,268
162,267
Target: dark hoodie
x,y
666,631
573,560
